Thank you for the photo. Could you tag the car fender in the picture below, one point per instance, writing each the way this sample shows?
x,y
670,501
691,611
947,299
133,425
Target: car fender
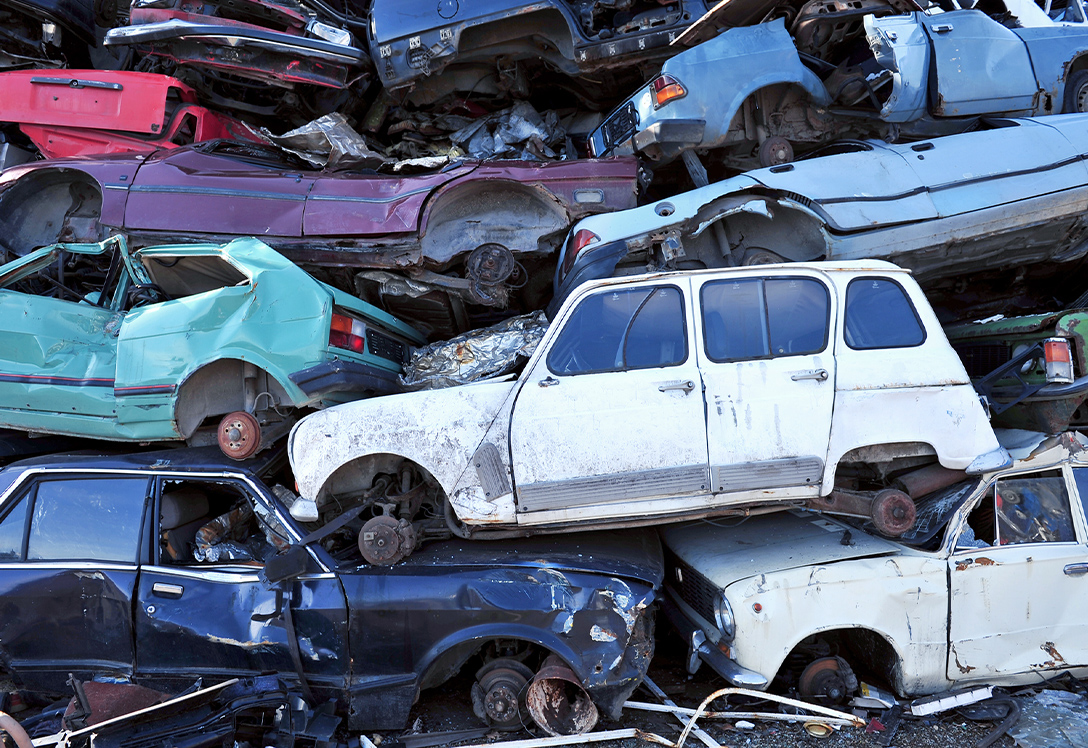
x,y
721,73
438,430
777,610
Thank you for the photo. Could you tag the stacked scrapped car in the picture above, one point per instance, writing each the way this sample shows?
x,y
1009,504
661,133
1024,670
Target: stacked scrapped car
x,y
369,639
200,343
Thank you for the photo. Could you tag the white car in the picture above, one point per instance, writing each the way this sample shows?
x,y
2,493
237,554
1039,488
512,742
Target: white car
x,y
987,589
665,397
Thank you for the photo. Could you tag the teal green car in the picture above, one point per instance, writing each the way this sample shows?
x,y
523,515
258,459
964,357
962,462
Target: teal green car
x,y
196,342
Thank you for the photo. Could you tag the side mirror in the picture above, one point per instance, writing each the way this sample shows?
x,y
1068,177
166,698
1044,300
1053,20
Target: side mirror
x,y
293,562
304,510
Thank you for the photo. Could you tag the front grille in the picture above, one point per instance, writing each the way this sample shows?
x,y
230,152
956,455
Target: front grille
x,y
694,589
981,358
386,347
620,126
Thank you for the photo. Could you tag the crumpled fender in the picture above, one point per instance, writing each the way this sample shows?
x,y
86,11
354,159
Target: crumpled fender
x,y
721,73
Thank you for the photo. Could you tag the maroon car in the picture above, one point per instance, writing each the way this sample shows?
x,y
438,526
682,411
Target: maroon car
x,y
483,233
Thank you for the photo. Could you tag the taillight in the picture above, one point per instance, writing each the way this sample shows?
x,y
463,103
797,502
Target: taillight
x,y
1059,360
347,333
666,88
580,241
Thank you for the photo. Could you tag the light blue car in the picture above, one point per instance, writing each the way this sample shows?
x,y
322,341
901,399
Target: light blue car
x,y
760,92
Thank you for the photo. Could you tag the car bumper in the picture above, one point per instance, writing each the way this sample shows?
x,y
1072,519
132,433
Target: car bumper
x,y
339,375
666,139
701,650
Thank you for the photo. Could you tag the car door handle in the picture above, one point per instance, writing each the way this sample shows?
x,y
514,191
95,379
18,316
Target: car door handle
x,y
942,28
167,590
548,381
686,386
820,375
1075,570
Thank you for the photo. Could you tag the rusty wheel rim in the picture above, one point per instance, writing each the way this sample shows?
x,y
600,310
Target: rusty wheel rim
x,y
239,435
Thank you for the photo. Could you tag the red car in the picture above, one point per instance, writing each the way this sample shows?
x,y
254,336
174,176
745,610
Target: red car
x,y
483,233
85,112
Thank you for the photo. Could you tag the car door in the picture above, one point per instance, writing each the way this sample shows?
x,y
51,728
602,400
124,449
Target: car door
x,y
768,365
981,67
613,412
221,187
201,607
57,352
69,546
1017,580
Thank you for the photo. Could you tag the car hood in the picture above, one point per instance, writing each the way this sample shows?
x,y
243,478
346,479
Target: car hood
x,y
725,551
633,554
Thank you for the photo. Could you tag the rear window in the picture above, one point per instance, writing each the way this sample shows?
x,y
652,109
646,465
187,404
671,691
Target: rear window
x,y
879,314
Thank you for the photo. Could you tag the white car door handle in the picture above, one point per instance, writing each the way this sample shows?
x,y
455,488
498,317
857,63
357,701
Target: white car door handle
x,y
1074,570
167,590
686,386
820,375
548,381
942,28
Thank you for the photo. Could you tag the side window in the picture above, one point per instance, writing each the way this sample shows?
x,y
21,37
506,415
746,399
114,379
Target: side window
x,y
762,318
1021,509
879,315
13,529
95,519
638,328
215,522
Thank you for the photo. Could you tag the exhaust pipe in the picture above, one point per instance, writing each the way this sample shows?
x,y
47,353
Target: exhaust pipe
x,y
557,702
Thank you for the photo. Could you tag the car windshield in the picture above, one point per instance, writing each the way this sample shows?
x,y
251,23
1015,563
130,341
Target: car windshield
x,y
934,511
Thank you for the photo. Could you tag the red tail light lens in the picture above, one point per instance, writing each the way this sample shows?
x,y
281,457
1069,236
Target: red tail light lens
x,y
1059,360
666,88
581,240
347,333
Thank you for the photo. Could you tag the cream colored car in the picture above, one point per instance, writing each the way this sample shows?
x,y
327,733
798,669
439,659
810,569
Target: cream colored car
x,y
988,588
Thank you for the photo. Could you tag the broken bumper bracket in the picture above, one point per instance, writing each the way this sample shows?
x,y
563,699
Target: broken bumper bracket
x,y
718,661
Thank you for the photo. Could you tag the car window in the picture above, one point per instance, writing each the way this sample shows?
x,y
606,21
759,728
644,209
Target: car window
x,y
637,328
1080,477
1021,509
754,318
87,518
215,522
880,315
13,529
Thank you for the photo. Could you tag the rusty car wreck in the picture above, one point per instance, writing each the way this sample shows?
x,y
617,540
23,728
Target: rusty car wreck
x,y
987,589
166,537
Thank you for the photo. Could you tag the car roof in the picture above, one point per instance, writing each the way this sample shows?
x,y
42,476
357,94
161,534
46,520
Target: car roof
x,y
190,459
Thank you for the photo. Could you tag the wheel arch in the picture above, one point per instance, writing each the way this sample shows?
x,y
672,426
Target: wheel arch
x,y
217,388
875,453
448,656
35,209
782,226
522,217
872,647
1078,64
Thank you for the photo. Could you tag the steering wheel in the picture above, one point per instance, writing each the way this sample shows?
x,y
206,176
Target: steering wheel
x,y
142,294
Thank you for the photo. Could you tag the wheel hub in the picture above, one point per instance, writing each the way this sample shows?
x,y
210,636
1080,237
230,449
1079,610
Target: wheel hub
x,y
386,540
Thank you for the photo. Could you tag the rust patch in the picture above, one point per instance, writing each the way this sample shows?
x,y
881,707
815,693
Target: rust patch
x,y
969,562
1056,659
963,668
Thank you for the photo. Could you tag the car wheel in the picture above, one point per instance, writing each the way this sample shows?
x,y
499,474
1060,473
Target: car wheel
x,y
892,512
775,151
828,681
498,695
1076,93
239,435
385,540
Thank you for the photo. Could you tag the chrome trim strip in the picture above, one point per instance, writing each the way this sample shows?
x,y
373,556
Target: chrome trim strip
x,y
752,476
358,199
215,192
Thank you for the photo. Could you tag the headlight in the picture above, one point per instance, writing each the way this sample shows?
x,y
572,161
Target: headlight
x,y
723,616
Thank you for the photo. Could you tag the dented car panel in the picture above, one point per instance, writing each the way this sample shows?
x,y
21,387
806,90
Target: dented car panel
x,y
939,207
930,73
369,638
931,605
166,346
221,189
777,421
85,112
414,39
